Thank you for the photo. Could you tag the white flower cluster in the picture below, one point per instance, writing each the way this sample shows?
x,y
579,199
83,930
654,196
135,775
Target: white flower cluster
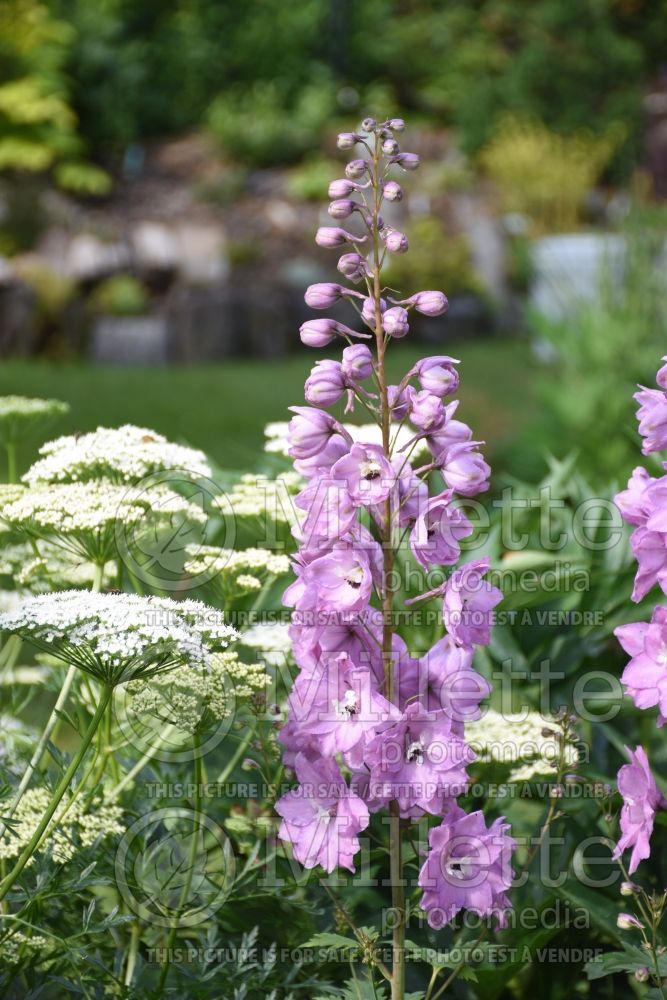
x,y
238,571
84,517
123,454
277,442
10,492
80,826
20,946
527,741
193,701
21,416
116,637
271,640
53,568
270,499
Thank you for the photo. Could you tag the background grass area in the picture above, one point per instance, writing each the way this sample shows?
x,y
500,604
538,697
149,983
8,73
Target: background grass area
x,y
223,408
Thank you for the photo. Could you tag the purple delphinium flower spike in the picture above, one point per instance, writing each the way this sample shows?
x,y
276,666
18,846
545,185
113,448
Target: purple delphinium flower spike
x,y
641,801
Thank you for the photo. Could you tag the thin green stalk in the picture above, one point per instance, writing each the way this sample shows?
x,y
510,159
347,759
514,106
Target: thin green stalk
x,y
187,885
58,794
12,474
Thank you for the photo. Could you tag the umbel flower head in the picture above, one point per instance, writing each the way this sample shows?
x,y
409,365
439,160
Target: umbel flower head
x,y
118,637
85,518
21,417
121,454
235,573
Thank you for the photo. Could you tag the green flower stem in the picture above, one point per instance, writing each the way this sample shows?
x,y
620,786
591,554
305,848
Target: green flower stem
x,y
58,794
136,768
187,885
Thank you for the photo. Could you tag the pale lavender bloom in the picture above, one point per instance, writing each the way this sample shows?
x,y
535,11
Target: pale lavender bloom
x,y
342,187
426,411
320,462
368,311
469,867
652,417
444,679
650,550
418,761
322,818
330,512
464,469
392,191
627,921
395,241
634,502
366,473
390,147
396,124
661,376
357,363
468,604
395,322
438,530
645,676
641,801
309,431
331,237
412,491
325,294
399,401
353,266
347,140
326,383
438,375
339,581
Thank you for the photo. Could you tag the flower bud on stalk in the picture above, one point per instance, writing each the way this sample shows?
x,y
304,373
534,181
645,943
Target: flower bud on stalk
x,y
396,124
368,124
347,140
427,303
368,311
331,237
342,208
395,322
326,383
392,191
407,161
342,187
325,294
356,168
395,241
353,266
320,332
357,363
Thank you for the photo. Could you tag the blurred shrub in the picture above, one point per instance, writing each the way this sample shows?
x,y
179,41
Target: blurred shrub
x,y
436,260
257,126
53,291
544,175
120,295
38,127
601,352
310,180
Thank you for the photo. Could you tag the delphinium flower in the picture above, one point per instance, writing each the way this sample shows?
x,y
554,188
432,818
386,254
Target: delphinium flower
x,y
277,437
22,418
122,454
377,727
85,517
641,801
643,505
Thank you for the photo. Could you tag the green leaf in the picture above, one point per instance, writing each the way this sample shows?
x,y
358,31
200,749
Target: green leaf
x,y
616,961
331,941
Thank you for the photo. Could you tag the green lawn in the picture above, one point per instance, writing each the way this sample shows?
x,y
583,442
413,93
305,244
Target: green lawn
x,y
223,408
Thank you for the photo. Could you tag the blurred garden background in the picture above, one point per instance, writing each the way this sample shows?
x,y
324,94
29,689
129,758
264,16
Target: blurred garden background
x,y
163,165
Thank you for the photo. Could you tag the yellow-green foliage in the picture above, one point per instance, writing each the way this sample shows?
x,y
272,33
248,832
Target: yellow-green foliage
x,y
38,128
545,175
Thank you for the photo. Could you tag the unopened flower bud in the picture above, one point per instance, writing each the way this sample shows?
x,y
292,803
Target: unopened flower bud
x,y
438,376
353,266
309,431
395,322
323,295
395,241
368,124
248,764
392,191
390,147
331,236
428,303
629,889
642,974
426,411
326,383
342,187
320,332
407,161
368,311
357,363
399,401
396,124
356,168
347,140
626,921
342,208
